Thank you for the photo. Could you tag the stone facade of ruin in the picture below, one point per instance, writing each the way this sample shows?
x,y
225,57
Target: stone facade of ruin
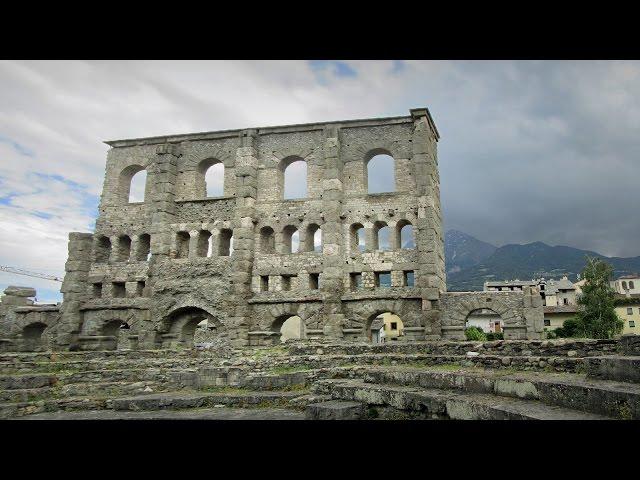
x,y
162,266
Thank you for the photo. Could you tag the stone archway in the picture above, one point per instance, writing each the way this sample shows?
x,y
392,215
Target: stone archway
x,y
509,306
32,337
181,324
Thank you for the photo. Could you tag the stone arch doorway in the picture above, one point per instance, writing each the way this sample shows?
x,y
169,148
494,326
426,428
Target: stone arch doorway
x,y
486,319
384,327
288,327
32,337
182,325
116,335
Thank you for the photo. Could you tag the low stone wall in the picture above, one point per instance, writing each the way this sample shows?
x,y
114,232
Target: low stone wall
x,y
576,348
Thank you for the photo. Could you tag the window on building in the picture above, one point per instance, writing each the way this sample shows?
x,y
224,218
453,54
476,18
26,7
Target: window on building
x,y
409,279
264,283
565,301
383,279
629,311
140,288
314,281
97,290
380,171
267,240
204,243
285,282
357,237
119,290
225,245
291,239
632,323
133,181
294,178
123,250
624,285
631,285
144,248
405,234
381,236
212,171
394,325
356,281
547,322
102,249
182,244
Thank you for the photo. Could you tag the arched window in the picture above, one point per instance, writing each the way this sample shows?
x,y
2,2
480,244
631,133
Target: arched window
x,y
225,245
291,327
381,236
357,237
313,238
204,244
406,238
291,239
211,178
123,250
182,244
144,248
381,174
631,286
294,178
624,285
102,249
133,184
267,240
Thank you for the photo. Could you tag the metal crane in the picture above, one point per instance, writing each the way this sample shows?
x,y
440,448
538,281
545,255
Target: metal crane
x,y
20,271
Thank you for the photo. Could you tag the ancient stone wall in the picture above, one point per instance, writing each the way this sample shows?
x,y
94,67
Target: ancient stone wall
x,y
179,256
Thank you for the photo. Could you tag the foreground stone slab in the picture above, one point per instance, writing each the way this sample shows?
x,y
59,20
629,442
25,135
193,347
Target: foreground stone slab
x,y
619,368
336,410
194,414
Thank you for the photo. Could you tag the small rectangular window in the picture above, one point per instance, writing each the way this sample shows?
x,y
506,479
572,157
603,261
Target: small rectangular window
x,y
264,283
356,281
632,323
314,281
285,282
394,325
547,322
140,289
97,290
119,290
629,311
409,279
383,279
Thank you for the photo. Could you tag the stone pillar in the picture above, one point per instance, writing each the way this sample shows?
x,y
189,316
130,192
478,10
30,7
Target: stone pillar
x,y
162,176
430,275
74,289
332,283
533,313
243,233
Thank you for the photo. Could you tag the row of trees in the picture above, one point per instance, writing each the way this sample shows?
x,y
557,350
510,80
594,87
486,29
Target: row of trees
x,y
596,317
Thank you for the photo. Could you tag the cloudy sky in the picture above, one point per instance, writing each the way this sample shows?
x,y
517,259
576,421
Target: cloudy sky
x,y
545,150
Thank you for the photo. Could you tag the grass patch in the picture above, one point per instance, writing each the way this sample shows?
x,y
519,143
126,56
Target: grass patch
x,y
277,350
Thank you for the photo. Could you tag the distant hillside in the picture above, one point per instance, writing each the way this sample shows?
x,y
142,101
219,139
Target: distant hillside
x,y
462,251
525,262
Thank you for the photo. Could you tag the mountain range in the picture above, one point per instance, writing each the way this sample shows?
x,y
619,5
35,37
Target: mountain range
x,y
470,262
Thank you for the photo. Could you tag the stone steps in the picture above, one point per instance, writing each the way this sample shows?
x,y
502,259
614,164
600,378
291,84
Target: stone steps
x,y
610,398
434,403
160,401
78,389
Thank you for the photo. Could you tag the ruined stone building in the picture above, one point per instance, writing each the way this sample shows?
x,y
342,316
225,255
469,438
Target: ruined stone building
x,y
249,259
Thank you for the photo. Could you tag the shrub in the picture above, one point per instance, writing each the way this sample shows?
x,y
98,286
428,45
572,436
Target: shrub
x,y
551,334
475,333
498,336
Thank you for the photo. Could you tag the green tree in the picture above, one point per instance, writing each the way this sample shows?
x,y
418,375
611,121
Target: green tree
x,y
597,318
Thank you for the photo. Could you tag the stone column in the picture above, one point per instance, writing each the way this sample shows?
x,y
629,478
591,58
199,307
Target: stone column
x,y
332,284
243,233
162,177
74,289
430,275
